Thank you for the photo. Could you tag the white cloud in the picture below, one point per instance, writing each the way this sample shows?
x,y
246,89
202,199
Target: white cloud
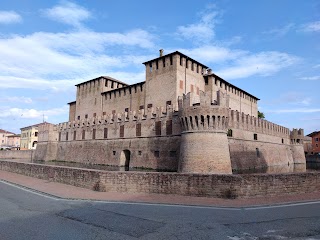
x,y
313,78
203,31
263,64
279,32
32,113
316,66
16,99
7,17
311,27
68,13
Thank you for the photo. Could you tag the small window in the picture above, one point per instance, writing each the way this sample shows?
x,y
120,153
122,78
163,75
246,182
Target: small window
x,y
317,145
114,153
317,139
255,136
126,109
36,134
139,153
173,154
105,133
206,81
104,113
93,133
229,134
156,154
180,61
78,117
67,136
141,107
122,131
74,135
169,127
59,136
158,128
168,103
282,140
258,152
83,134
86,116
149,105
138,129
171,60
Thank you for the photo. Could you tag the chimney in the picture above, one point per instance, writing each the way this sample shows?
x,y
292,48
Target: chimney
x,y
161,52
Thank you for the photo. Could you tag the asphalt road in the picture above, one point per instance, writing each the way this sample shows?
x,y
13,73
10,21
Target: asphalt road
x,y
28,215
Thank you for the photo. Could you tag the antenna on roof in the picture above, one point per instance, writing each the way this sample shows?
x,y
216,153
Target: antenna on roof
x,y
43,117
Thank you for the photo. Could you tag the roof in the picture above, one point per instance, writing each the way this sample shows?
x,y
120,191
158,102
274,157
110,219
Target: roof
x,y
4,131
71,102
105,77
221,79
14,135
128,86
173,53
313,133
35,125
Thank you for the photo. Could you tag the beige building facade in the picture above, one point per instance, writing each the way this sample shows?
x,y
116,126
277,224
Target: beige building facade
x,y
29,137
182,117
4,137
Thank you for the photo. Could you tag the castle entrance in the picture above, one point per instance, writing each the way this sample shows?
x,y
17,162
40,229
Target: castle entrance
x,y
125,160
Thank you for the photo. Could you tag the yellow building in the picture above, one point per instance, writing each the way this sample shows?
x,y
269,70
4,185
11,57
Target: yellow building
x,y
29,137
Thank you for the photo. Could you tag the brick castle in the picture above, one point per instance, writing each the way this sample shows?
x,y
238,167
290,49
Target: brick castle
x,y
183,118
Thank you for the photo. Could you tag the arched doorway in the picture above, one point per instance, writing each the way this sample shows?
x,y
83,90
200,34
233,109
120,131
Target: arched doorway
x,y
125,160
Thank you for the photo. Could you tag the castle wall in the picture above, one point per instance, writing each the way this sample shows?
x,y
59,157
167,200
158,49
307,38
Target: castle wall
x,y
130,98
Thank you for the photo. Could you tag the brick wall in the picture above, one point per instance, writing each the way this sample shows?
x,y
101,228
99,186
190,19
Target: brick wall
x,y
223,186
23,154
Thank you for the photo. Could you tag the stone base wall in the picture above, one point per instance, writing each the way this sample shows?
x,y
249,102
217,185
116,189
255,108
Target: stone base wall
x,y
154,153
249,154
17,154
204,185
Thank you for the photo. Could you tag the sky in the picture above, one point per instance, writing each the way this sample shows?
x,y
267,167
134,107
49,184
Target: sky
x,y
269,48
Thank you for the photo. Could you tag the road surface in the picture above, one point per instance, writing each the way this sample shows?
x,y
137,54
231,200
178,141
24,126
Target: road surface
x,y
25,214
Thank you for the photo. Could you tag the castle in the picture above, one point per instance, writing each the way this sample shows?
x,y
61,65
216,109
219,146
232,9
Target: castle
x,y
183,118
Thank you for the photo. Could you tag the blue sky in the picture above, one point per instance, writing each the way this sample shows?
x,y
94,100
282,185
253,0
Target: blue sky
x,y
268,48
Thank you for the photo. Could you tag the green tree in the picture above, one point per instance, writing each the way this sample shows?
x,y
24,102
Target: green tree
x,y
261,114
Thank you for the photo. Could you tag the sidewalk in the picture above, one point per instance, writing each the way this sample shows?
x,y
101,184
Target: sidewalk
x,y
70,192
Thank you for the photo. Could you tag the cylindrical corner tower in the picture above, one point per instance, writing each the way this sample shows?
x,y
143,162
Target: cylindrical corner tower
x,y
204,144
297,136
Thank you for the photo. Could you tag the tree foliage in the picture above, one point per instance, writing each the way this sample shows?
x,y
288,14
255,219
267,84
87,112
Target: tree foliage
x,y
261,114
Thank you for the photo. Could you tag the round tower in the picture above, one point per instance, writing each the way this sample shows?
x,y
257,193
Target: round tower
x,y
296,137
204,144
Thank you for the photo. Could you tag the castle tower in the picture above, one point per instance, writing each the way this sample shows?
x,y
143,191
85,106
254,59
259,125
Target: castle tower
x,y
296,137
204,144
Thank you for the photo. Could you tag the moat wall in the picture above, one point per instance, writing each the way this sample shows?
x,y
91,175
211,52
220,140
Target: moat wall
x,y
16,154
205,185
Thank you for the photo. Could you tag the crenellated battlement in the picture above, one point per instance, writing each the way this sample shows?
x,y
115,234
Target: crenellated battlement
x,y
246,122
297,136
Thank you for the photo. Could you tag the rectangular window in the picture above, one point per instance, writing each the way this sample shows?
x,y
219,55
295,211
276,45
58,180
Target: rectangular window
x,y
36,134
104,113
158,128
114,153
67,136
59,136
86,116
180,61
168,103
105,133
126,109
169,127
83,134
122,131
93,133
141,107
282,140
317,139
206,81
191,88
170,59
258,153
138,129
139,153
192,68
74,135
229,134
255,136
78,117
156,154
149,105
181,84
